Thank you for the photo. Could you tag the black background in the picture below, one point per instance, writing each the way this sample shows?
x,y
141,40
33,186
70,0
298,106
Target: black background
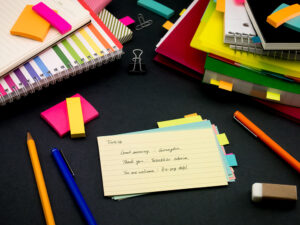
x,y
131,103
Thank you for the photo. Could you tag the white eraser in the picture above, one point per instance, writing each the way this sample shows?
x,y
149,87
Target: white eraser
x,y
257,192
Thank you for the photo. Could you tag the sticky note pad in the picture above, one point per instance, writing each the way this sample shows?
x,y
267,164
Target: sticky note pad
x,y
167,25
75,117
222,138
127,20
283,15
30,25
180,121
57,116
273,96
52,17
191,115
157,8
214,82
225,85
231,159
294,23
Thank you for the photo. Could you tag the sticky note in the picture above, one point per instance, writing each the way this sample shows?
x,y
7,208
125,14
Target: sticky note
x,y
75,117
220,6
30,25
127,20
222,138
157,8
180,121
231,159
214,82
57,116
240,2
52,17
191,115
273,96
256,39
294,23
225,85
283,15
167,25
182,11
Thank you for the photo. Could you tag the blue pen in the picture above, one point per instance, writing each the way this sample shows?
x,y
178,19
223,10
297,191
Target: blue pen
x,y
65,171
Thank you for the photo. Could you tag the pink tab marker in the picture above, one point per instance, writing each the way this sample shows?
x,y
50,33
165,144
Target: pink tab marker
x,y
127,20
52,17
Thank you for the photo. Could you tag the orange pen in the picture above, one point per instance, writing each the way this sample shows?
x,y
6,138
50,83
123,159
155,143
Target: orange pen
x,y
239,117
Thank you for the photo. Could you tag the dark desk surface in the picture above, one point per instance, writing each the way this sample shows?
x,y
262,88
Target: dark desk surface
x,y
131,103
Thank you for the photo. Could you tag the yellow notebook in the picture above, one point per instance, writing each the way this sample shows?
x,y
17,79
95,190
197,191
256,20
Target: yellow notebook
x,y
209,38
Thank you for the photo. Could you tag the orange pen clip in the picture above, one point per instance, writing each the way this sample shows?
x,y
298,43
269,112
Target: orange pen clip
x,y
245,122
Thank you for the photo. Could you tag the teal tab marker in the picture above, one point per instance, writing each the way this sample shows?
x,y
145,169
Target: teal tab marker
x,y
157,8
231,159
294,23
256,39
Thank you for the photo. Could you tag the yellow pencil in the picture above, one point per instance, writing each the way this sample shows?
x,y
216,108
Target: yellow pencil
x,y
40,180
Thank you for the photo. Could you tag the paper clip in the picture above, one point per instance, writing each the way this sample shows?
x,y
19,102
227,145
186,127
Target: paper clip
x,y
137,66
142,22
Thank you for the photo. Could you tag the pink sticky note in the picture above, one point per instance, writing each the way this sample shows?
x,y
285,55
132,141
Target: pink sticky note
x,y
57,116
127,20
52,17
97,5
240,1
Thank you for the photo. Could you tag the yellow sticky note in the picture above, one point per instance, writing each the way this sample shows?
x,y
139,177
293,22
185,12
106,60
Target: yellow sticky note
x,y
180,121
191,115
225,85
182,11
222,138
214,82
167,25
75,117
30,25
220,5
273,96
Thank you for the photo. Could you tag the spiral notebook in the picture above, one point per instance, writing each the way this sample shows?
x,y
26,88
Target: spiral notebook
x,y
87,48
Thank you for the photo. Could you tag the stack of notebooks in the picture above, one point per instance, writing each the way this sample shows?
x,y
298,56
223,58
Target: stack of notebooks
x,y
219,44
28,65
182,153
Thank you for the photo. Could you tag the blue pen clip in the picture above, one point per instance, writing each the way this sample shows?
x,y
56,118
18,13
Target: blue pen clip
x,y
67,162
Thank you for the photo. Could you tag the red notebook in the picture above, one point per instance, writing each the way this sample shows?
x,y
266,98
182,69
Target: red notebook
x,y
176,43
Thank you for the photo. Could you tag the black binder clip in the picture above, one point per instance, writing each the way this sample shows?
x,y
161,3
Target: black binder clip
x,y
142,22
137,67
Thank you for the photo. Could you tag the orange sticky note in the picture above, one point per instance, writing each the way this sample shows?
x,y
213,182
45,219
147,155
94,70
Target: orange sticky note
x,y
30,25
225,85
191,115
283,15
167,25
220,5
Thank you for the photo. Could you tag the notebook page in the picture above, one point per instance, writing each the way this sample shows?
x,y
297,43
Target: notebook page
x,y
14,49
161,161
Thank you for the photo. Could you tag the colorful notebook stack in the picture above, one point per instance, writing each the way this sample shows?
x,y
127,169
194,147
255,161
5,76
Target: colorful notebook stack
x,y
272,79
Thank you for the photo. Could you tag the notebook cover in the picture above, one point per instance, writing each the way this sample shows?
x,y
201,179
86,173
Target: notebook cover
x,y
183,33
260,10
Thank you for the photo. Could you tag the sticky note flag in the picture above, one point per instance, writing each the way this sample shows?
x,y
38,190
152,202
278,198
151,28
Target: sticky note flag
x,y
273,96
30,25
214,82
182,11
283,15
256,39
75,117
156,7
127,20
240,2
180,121
220,6
294,23
225,85
191,115
231,159
222,138
167,25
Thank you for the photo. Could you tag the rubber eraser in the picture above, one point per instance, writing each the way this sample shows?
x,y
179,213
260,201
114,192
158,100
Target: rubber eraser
x,y
266,191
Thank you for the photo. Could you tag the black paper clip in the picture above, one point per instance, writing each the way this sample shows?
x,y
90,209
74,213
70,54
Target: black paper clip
x,y
142,22
137,67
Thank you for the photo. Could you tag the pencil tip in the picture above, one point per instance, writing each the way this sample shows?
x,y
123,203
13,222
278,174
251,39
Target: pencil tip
x,y
29,137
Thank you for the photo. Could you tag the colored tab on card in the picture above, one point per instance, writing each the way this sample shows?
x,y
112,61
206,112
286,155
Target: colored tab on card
x,y
273,96
180,121
182,11
75,117
167,25
220,6
52,17
284,15
225,85
231,159
191,115
294,23
240,2
214,82
222,138
127,20
157,8
256,39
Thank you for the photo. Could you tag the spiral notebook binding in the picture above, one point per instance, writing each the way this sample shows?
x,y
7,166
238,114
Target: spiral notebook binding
x,y
237,38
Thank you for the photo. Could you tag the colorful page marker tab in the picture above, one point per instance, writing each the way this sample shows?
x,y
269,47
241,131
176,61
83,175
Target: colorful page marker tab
x,y
225,85
294,23
180,121
191,115
157,8
30,25
57,116
214,82
256,39
167,25
222,138
273,96
75,117
231,159
182,11
220,6
52,17
127,20
240,2
283,15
